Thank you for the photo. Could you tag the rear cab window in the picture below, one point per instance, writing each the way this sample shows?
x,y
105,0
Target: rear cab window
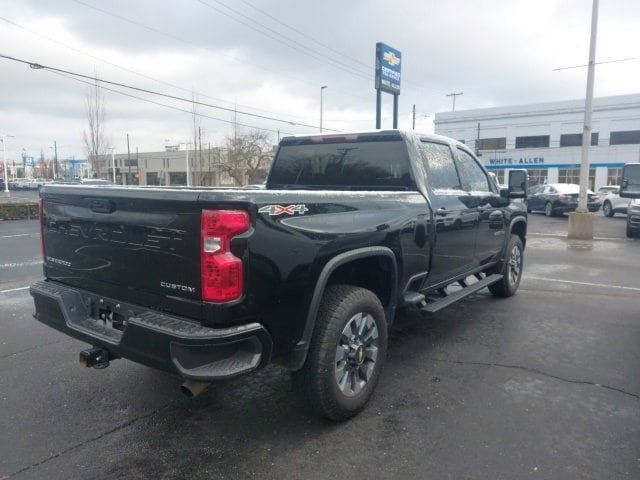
x,y
364,162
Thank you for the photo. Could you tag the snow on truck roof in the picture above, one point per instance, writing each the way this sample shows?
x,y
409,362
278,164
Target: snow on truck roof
x,y
352,135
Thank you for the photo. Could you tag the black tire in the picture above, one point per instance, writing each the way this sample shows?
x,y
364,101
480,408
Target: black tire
x,y
632,232
548,210
528,207
507,286
317,381
607,209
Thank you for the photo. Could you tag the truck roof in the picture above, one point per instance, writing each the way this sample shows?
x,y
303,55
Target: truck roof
x,y
391,132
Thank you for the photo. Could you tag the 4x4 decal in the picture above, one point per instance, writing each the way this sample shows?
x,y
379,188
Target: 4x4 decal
x,y
282,209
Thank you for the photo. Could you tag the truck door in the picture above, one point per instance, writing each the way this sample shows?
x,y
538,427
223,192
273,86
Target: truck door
x,y
491,222
454,217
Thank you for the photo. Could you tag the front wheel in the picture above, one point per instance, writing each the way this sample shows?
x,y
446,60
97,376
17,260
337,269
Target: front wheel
x,y
511,269
346,354
607,209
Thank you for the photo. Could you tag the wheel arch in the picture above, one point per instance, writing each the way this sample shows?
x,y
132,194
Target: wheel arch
x,y
338,269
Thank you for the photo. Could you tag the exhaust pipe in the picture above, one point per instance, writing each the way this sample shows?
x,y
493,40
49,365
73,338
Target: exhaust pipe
x,y
192,388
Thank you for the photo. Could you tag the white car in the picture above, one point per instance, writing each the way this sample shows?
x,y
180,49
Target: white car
x,y
611,201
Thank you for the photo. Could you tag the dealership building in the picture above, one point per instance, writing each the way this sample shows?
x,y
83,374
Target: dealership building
x,y
546,138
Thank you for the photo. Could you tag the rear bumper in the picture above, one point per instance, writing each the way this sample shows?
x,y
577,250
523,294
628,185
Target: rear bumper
x,y
571,207
161,341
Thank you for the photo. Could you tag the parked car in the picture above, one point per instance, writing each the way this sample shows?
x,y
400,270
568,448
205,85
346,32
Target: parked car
x,y
558,198
308,271
611,201
630,188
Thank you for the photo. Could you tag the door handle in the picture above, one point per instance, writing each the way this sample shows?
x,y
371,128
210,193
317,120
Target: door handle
x,y
443,212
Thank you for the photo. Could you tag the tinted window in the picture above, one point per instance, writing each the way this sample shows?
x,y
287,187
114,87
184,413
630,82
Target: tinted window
x,y
474,177
442,170
535,141
575,139
492,143
624,138
364,164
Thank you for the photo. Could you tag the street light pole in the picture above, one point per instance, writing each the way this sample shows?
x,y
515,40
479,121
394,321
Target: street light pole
x,y
581,221
322,88
7,193
586,130
454,95
113,163
55,159
186,148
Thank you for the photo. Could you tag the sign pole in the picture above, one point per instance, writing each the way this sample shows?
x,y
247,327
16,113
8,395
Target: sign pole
x,y
378,108
395,110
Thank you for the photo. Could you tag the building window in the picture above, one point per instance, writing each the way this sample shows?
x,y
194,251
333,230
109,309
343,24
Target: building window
x,y
572,175
152,178
575,139
535,141
537,176
624,138
614,176
492,143
177,178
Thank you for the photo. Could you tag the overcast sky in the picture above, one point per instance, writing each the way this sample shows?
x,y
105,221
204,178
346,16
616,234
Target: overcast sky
x,y
496,52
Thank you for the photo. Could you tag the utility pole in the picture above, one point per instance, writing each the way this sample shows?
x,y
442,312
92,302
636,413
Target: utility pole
x,y
322,89
200,153
186,149
454,95
55,159
581,222
478,141
113,164
128,159
7,193
137,166
414,116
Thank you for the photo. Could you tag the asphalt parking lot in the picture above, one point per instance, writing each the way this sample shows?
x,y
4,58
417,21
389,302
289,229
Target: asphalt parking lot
x,y
544,385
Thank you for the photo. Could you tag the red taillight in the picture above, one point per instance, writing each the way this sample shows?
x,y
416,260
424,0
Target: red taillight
x,y
221,270
41,216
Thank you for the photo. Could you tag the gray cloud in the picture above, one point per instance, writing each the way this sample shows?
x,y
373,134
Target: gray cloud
x,y
497,52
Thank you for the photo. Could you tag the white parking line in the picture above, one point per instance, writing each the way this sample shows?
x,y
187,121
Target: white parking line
x,y
14,236
21,264
13,289
587,284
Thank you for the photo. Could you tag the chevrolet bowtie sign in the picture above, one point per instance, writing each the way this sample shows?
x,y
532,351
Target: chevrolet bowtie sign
x,y
388,64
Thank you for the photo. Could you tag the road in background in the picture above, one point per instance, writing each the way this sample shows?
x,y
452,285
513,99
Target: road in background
x,y
543,385
19,196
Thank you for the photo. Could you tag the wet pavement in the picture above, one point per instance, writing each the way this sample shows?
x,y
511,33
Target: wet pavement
x,y
542,385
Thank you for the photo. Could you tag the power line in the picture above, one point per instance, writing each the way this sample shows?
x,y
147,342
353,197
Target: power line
x,y
597,63
300,32
188,42
77,50
190,112
37,66
304,50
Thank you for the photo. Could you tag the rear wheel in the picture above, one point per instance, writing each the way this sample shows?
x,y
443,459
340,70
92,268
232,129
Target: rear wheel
x,y
511,269
346,354
548,210
607,209
632,232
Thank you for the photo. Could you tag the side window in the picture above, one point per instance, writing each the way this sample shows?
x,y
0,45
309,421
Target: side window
x,y
474,176
441,168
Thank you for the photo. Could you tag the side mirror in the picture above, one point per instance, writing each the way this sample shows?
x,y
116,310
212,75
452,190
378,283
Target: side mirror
x,y
518,184
630,185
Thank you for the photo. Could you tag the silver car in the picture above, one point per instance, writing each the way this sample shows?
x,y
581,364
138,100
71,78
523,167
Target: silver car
x,y
611,201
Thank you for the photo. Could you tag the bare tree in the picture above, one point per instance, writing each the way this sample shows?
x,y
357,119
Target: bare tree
x,y
247,156
94,139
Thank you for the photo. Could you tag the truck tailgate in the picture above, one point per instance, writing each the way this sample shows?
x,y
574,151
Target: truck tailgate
x,y
134,240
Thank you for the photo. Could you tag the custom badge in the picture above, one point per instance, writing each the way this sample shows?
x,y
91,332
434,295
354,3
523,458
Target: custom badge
x,y
274,210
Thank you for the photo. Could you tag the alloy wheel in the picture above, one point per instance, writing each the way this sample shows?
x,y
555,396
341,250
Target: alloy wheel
x,y
356,354
515,265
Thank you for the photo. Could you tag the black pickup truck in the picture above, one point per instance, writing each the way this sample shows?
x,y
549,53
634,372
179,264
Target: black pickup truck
x,y
308,272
